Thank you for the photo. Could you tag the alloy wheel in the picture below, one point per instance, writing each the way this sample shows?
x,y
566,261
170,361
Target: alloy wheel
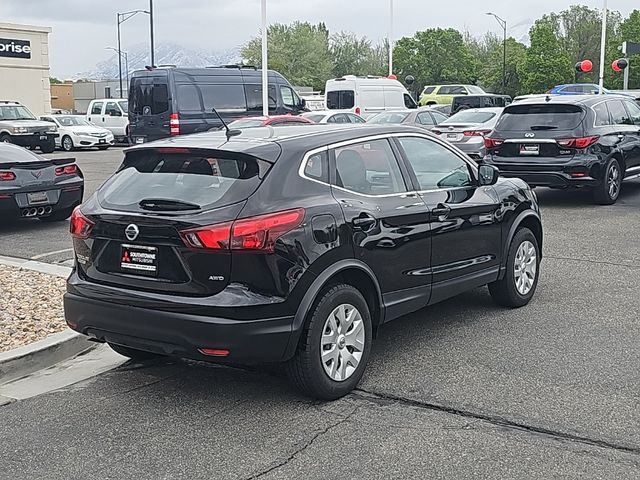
x,y
613,181
342,342
67,144
525,267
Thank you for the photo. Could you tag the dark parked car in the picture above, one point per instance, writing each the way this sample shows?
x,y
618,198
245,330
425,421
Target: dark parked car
x,y
487,100
569,141
33,186
293,245
166,102
424,117
18,125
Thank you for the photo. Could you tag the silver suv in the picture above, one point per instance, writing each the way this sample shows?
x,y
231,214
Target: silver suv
x,y
18,125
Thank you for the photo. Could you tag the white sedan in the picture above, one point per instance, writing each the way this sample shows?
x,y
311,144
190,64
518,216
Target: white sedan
x,y
333,116
76,132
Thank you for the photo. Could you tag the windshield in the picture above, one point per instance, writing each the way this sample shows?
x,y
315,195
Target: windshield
x,y
72,121
205,180
469,117
246,123
389,117
538,117
15,112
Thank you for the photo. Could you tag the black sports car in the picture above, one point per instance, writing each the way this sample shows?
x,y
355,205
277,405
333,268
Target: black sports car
x,y
34,186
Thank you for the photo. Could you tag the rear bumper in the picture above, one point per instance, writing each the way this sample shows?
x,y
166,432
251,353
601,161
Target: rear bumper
x,y
14,204
549,179
178,334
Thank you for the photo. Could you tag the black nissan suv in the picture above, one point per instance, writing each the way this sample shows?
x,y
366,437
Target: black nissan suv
x,y
293,245
590,141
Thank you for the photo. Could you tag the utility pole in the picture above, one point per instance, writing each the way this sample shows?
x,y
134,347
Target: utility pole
x,y
390,37
265,71
123,17
603,44
503,24
625,85
119,57
153,60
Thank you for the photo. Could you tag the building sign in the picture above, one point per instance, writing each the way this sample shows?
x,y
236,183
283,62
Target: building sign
x,y
15,48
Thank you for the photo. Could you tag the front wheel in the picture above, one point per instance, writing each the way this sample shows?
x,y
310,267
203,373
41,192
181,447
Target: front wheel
x,y
5,138
609,190
521,278
67,143
49,146
335,345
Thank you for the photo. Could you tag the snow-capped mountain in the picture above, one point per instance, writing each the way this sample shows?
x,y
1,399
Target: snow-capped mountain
x,y
165,54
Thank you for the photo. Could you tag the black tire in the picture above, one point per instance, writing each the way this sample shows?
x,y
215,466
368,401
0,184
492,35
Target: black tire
x,y
49,146
305,369
67,143
505,292
608,191
58,216
132,353
5,138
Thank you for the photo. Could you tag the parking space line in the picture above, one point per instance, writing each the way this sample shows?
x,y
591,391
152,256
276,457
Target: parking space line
x,y
48,254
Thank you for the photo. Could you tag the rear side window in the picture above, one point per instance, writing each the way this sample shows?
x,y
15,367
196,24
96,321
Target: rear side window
x,y
602,115
634,111
428,90
369,168
425,119
254,97
188,98
224,98
205,179
97,108
148,96
340,99
619,115
317,167
540,117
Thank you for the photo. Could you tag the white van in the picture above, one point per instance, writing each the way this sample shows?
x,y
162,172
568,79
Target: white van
x,y
366,95
110,113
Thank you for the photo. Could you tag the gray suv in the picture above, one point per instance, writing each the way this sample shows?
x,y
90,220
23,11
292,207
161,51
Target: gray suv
x,y
18,125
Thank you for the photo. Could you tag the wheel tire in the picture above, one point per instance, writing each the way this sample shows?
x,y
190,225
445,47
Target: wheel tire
x,y
48,147
58,216
608,191
132,353
505,292
306,369
103,147
67,143
4,138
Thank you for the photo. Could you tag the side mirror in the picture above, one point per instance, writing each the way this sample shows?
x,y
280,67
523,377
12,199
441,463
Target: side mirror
x,y
488,175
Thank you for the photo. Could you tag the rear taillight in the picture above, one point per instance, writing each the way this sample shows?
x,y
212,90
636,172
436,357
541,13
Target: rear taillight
x,y
475,133
7,176
579,143
492,142
174,124
79,225
254,233
67,170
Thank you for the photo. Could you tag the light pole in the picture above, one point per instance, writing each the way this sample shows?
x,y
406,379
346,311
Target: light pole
x,y
503,24
603,41
153,59
123,17
390,37
126,66
265,72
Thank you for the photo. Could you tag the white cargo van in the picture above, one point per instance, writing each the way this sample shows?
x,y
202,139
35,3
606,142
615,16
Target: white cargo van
x,y
366,95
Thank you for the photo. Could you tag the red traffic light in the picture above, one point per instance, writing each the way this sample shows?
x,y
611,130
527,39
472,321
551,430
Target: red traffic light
x,y
584,66
620,64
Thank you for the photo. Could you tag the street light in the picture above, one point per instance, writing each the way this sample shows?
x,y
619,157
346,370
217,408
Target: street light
x,y
390,37
126,65
603,46
503,24
123,17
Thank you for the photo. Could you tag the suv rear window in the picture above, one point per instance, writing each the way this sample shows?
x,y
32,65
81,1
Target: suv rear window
x,y
148,97
208,179
340,99
532,117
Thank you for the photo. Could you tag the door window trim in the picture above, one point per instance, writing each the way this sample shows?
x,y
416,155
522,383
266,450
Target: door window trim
x,y
411,191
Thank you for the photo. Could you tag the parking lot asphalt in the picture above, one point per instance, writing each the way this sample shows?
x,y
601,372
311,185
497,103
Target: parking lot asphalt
x,y
464,389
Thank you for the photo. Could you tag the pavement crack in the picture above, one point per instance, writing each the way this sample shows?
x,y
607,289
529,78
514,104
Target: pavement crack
x,y
498,421
306,445
594,262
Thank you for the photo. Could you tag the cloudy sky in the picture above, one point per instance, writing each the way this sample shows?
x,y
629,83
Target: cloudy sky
x,y
83,28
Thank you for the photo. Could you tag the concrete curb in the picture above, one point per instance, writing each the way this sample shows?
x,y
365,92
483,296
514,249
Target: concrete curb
x,y
25,360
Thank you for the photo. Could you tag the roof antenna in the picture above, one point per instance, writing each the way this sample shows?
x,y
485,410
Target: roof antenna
x,y
230,132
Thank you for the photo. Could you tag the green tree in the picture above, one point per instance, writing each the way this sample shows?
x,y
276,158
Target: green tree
x,y
435,56
546,62
299,51
354,55
54,80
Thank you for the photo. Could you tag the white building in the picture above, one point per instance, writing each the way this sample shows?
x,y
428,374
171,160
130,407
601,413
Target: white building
x,y
24,66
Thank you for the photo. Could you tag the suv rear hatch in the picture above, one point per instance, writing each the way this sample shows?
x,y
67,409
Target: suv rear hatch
x,y
150,113
538,133
145,216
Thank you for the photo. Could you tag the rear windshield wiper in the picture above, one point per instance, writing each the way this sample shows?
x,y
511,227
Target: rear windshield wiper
x,y
158,204
543,127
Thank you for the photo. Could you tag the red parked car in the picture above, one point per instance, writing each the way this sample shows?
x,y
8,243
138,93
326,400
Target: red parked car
x,y
273,120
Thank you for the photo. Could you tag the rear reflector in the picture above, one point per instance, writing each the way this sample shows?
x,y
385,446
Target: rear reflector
x,y
581,142
254,233
7,176
174,124
214,352
492,142
358,110
66,170
79,225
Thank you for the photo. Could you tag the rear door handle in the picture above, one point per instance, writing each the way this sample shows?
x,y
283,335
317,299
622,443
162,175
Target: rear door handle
x,y
441,210
364,221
